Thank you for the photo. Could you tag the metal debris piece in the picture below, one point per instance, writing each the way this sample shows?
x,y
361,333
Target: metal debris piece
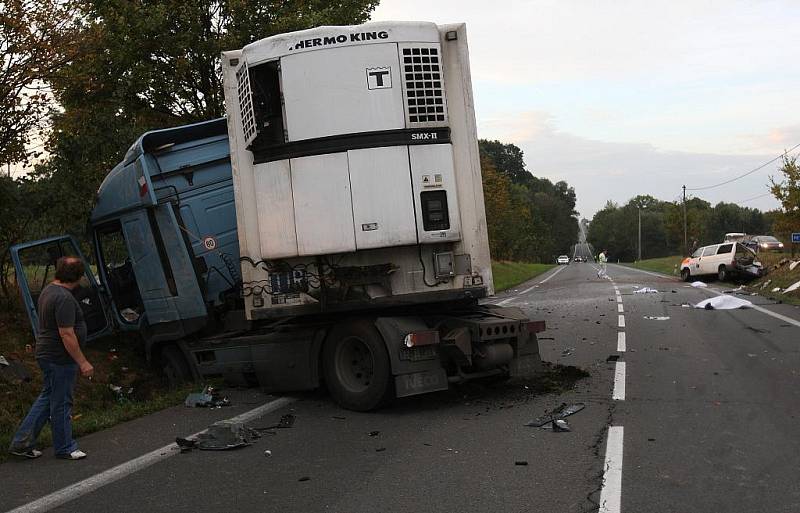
x,y
374,433
208,398
560,426
656,317
645,290
568,351
560,412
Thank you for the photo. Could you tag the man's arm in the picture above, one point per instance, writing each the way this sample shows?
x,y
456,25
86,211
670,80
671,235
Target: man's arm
x,y
70,340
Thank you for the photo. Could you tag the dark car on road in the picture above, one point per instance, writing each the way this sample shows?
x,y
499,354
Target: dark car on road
x,y
765,243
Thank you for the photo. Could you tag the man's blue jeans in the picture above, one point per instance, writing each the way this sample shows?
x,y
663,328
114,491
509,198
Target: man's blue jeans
x,y
53,404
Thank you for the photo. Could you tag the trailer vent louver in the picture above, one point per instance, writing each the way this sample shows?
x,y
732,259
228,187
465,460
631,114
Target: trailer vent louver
x,y
246,104
424,86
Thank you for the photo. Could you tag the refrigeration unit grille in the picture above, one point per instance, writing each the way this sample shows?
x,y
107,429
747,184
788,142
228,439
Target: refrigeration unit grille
x,y
246,104
422,76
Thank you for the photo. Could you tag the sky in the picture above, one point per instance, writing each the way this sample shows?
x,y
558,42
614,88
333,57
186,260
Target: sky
x,y
620,98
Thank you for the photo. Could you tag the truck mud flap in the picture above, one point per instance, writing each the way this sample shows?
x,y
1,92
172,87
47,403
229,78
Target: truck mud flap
x,y
420,382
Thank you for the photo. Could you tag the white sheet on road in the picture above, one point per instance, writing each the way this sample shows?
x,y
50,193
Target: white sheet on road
x,y
699,284
724,303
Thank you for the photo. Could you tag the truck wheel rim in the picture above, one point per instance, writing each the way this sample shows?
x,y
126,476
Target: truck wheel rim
x,y
354,364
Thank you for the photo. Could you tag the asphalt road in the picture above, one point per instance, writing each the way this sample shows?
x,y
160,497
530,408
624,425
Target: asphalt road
x,y
707,422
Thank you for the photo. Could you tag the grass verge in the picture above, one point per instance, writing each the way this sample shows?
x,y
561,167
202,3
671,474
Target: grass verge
x,y
118,362
508,274
667,265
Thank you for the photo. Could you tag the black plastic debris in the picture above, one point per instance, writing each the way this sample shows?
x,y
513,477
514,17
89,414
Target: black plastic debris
x,y
225,435
14,372
374,433
558,413
380,449
304,478
208,398
521,463
757,330
286,422
612,358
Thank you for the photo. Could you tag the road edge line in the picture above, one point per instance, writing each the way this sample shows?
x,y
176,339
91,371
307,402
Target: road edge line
x,y
511,298
108,476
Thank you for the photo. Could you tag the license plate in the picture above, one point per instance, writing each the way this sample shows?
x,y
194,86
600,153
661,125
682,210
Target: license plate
x,y
420,382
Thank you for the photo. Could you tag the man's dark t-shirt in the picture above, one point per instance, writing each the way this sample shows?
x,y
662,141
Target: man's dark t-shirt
x,y
58,308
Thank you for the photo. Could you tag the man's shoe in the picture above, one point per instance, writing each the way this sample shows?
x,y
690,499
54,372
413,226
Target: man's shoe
x,y
74,455
26,453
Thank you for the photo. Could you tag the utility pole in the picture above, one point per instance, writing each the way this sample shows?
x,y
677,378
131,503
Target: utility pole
x,y
639,209
685,239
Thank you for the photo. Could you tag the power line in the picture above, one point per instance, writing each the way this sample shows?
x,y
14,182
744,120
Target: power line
x,y
762,166
755,197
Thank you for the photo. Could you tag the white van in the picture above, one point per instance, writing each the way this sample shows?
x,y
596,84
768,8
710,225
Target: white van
x,y
724,260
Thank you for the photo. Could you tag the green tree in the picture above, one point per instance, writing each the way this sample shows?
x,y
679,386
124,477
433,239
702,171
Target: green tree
x,y
787,191
37,38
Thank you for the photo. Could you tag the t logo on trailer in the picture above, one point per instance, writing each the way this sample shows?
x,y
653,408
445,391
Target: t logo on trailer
x,y
379,78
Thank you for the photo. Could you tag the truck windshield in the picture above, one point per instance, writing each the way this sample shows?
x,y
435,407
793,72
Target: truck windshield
x,y
118,270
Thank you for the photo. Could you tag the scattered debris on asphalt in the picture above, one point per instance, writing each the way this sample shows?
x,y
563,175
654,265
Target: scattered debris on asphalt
x,y
220,436
267,453
208,398
304,478
568,351
699,284
612,358
380,449
337,417
521,463
558,413
723,303
734,291
757,330
656,317
645,290
560,426
286,422
374,433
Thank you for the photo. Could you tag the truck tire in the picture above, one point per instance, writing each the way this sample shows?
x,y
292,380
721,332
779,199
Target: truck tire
x,y
722,273
174,366
356,366
686,274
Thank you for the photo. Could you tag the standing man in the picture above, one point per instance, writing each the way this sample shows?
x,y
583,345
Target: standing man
x,y
603,259
62,332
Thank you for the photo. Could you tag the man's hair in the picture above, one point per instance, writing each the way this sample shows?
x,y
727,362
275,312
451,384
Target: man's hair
x,y
69,269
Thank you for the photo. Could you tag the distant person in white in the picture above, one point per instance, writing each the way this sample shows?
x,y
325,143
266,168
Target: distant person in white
x,y
602,259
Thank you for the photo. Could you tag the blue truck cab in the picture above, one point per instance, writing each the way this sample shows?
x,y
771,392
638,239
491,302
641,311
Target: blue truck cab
x,y
163,239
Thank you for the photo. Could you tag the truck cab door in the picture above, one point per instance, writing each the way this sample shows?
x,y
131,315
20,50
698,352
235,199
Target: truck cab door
x,y
35,265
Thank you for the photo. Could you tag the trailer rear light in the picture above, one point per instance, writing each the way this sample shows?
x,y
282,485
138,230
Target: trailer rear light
x,y
422,338
535,326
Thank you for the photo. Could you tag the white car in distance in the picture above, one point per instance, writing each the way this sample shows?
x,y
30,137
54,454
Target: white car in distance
x,y
563,259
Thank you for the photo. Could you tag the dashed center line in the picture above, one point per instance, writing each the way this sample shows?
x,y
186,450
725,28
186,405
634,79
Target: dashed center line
x,y
621,321
619,382
621,348
611,493
619,308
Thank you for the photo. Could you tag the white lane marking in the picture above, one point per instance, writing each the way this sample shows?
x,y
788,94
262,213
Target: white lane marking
x,y
621,347
113,474
619,382
619,298
611,493
795,322
619,308
621,321
657,275
512,298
